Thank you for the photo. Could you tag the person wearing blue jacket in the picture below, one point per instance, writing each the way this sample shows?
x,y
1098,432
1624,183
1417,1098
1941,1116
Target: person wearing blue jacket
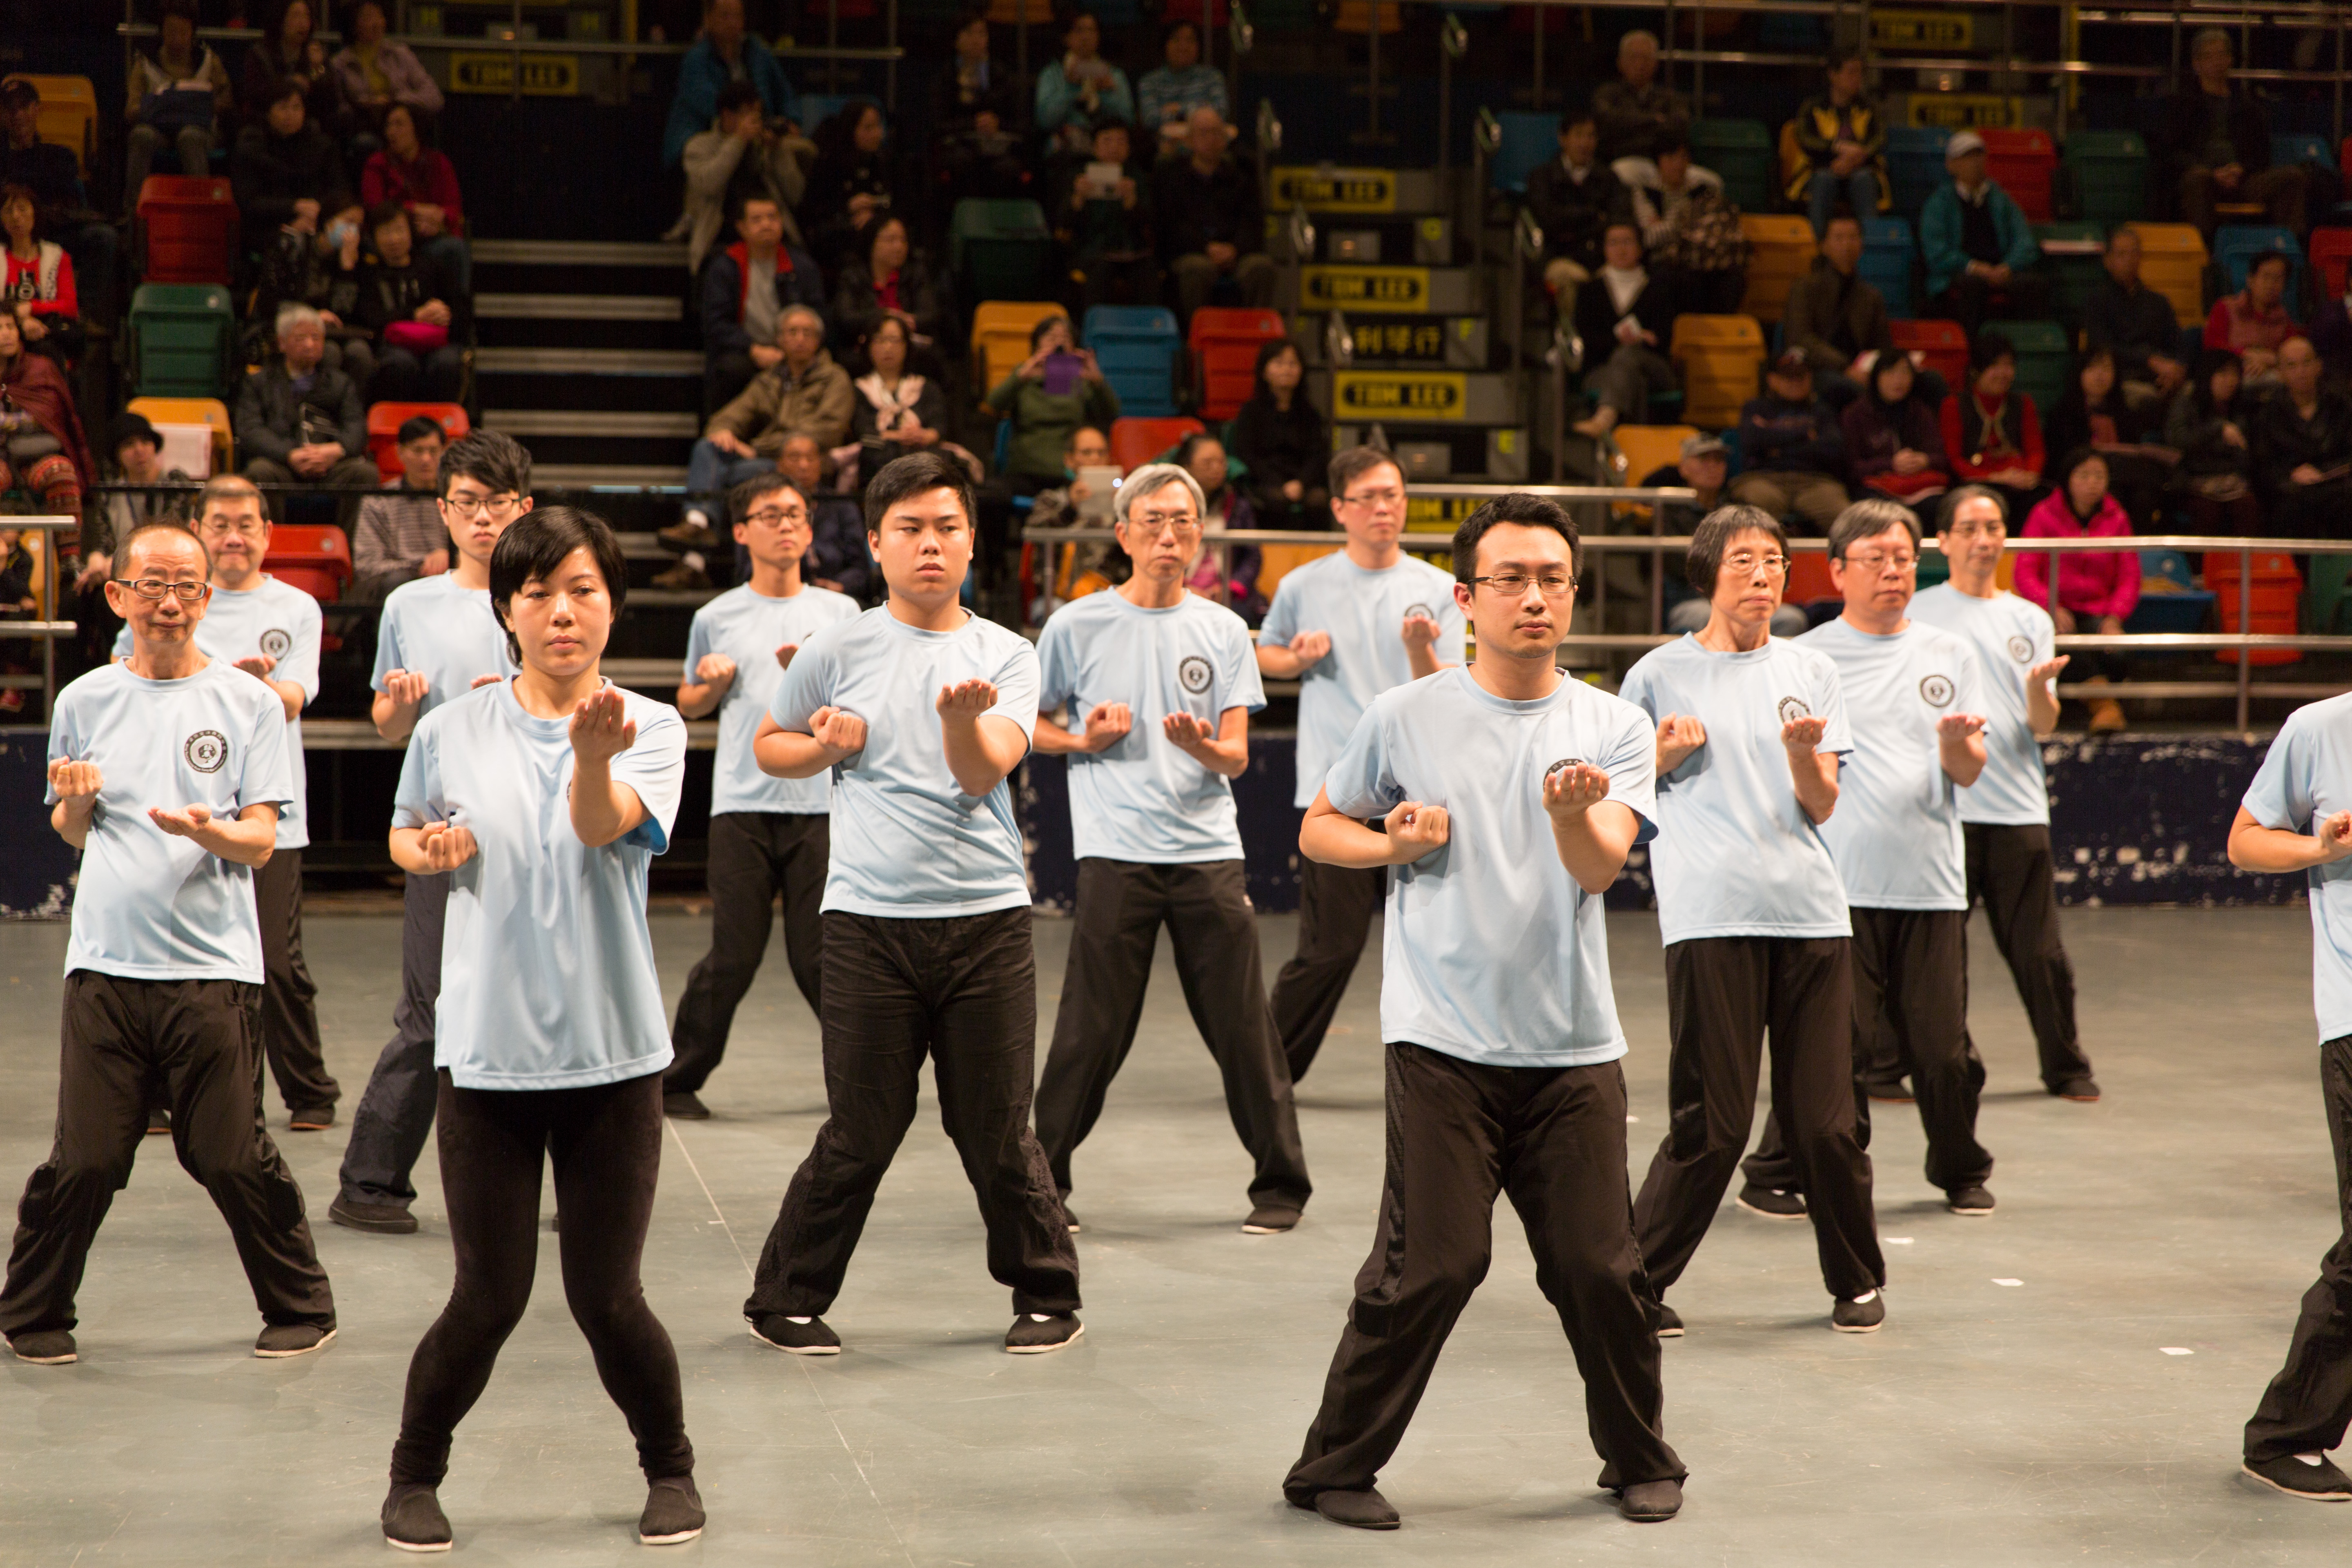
x,y
727,51
1976,245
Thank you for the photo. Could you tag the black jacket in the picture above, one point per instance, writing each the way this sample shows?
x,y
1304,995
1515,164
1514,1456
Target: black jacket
x,y
1574,216
953,112
389,294
2282,441
2183,143
799,281
270,174
1597,316
1190,210
2132,326
1280,447
268,419
856,310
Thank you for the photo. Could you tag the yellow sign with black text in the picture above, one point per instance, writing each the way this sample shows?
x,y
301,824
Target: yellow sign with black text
x,y
544,76
1402,289
1966,110
1399,394
1921,31
1333,190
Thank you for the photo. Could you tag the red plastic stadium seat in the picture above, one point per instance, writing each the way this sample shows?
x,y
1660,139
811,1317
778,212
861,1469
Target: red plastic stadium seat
x,y
2024,164
1809,578
385,420
2278,601
190,228
317,560
1135,442
1224,343
1942,345
2331,248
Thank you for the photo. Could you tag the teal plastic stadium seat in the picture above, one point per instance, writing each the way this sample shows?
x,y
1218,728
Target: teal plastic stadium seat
x,y
1529,141
2108,173
1887,254
180,337
2041,360
1001,249
1915,166
2073,274
2235,246
1741,151
2292,147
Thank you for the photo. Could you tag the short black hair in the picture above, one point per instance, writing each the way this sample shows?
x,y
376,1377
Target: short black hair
x,y
1045,324
2263,259
1714,533
1168,30
1353,463
1952,500
739,95
492,460
534,546
416,427
745,496
383,212
913,475
1868,518
1526,511
287,87
1989,349
2075,458
1674,138
1576,117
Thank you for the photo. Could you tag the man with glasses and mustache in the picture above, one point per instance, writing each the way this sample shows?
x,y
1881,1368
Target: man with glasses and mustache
x,y
1915,698
767,835
438,639
167,770
1160,684
1348,628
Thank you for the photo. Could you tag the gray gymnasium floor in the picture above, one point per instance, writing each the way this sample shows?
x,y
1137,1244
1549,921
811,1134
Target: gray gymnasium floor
x,y
2023,1405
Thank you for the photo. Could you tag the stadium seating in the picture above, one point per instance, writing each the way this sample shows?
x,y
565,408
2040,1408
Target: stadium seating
x,y
208,412
1530,142
2108,173
1889,260
1646,448
999,338
1810,582
190,228
2277,595
2289,148
2172,262
1722,362
2331,248
2072,259
1136,347
315,559
1224,343
1915,166
1780,250
1357,17
1942,346
69,113
1740,151
815,108
2025,164
1000,249
385,420
2043,356
178,341
2235,247
1135,442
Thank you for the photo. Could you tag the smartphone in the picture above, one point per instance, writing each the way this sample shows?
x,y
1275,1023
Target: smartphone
x,y
1061,373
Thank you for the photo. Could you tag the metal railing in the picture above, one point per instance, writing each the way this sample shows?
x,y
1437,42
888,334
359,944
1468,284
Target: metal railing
x,y
43,624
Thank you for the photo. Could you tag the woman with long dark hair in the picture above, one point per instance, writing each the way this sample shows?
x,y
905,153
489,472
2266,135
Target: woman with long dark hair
x,y
291,48
2207,426
1992,432
850,183
888,277
2095,413
1284,441
42,448
1892,435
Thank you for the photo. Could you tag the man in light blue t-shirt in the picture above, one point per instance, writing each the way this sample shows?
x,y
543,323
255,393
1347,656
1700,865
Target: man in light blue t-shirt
x,y
2005,815
1510,795
167,770
1348,628
437,640
1160,684
920,711
768,835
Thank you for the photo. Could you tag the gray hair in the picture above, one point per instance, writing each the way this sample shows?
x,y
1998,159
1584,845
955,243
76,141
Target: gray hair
x,y
1638,35
1868,518
292,315
789,312
1153,477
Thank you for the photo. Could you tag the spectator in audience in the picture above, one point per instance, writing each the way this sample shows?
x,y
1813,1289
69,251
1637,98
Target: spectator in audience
x,y
1992,432
890,281
1833,316
1791,447
137,453
1690,229
746,288
2207,426
1285,442
42,450
1081,88
896,411
838,556
1078,569
1047,398
741,159
179,99
284,170
418,313
2127,317
1634,111
1844,139
1701,465
1228,575
1104,220
39,287
1976,243
1892,436
320,270
374,73
290,52
1210,222
1573,199
2254,322
296,420
1171,91
407,171
2217,144
803,393
2096,415
1626,320
2302,450
977,108
726,51
2096,591
400,535
850,183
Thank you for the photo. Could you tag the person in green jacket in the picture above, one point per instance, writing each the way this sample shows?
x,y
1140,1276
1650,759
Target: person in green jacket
x,y
1976,245
1042,419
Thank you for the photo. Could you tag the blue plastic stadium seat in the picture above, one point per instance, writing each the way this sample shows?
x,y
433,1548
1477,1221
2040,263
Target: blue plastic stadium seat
x,y
1887,254
1136,347
1915,165
2235,246
1530,142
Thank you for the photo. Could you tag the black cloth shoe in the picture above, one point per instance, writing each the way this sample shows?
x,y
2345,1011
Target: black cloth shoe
x,y
1035,1333
1365,1510
313,1118
49,1347
1270,1219
382,1219
413,1519
1974,1202
1771,1202
2297,1475
1863,1315
684,1105
800,1336
2082,1091
280,1341
1668,1323
1071,1218
673,1513
159,1120
1647,1502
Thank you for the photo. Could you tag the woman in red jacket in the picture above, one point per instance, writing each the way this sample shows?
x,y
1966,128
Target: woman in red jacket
x,y
2096,589
1992,434
420,177
41,445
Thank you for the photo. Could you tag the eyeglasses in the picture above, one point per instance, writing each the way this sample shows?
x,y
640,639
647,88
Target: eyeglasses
x,y
770,516
1877,563
1152,524
156,588
1514,585
1774,565
485,506
1374,497
1972,530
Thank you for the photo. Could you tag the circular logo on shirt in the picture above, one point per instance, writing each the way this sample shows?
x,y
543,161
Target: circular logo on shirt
x,y
2020,648
276,644
1562,763
1793,708
206,750
1936,690
1193,674
1424,611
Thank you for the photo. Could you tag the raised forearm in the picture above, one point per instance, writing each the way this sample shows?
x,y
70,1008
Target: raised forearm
x,y
2253,848
978,754
789,754
1330,838
1055,741
1963,760
1816,778
1593,844
244,840
292,696
392,720
695,702
2040,708
71,819
1223,755
601,810
1279,662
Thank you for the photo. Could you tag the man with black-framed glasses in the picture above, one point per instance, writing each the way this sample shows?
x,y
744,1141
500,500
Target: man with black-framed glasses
x,y
767,835
1348,628
1159,685
437,639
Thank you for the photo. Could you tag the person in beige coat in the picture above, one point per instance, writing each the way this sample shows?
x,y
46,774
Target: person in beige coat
x,y
745,155
804,394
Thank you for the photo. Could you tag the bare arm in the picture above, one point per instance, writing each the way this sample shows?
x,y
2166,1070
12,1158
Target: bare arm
x,y
982,747
714,674
1815,774
2253,848
602,810
789,754
1306,651
2041,702
1106,723
1960,746
1332,839
76,785
395,708
1225,749
1420,645
1591,833
437,847
247,839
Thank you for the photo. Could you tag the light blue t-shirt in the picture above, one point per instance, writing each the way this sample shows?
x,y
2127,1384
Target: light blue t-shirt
x,y
1896,834
749,628
1143,800
267,618
2008,636
1490,951
907,843
2305,779
1364,612
1736,855
150,905
547,968
450,635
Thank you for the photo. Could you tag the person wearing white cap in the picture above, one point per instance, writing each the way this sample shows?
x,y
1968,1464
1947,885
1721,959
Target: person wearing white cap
x,y
1976,245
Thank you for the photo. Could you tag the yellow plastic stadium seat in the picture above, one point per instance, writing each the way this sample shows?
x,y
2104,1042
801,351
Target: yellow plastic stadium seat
x,y
1000,335
1722,362
2172,262
207,411
69,113
1647,448
1780,250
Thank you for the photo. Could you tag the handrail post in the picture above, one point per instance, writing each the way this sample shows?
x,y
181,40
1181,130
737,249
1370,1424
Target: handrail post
x,y
1453,41
2245,629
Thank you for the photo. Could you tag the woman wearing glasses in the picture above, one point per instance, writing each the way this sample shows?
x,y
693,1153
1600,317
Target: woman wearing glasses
x,y
1750,730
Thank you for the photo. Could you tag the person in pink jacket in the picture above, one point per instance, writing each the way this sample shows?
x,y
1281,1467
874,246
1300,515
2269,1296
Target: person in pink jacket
x,y
2097,590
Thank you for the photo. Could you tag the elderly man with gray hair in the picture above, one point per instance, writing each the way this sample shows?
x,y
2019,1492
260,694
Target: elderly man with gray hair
x,y
2216,145
1159,685
805,392
297,421
1634,110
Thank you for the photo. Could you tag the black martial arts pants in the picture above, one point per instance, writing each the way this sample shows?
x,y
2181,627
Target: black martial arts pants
x,y
1911,979
605,1143
1722,995
2308,1405
754,856
2010,869
201,1040
290,1008
961,991
1121,909
1336,905
1458,1132
396,1108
